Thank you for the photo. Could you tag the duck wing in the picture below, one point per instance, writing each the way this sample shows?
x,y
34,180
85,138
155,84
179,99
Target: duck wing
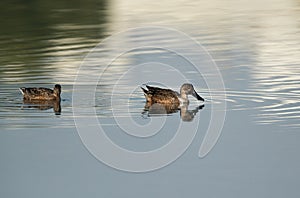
x,y
159,95
36,93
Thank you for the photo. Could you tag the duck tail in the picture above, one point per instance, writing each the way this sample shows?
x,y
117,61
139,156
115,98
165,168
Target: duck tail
x,y
22,90
144,90
146,94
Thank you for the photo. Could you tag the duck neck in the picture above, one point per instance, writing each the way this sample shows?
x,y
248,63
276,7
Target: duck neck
x,y
183,97
56,92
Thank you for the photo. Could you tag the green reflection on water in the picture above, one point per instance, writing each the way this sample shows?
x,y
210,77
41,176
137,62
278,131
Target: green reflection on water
x,y
34,33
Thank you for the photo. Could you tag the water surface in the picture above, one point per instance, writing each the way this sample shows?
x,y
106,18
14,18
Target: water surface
x,y
255,47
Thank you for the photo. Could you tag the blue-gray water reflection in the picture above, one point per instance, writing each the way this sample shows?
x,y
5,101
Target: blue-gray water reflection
x,y
255,47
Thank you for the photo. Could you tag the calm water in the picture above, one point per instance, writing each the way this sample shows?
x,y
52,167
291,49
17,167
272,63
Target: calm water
x,y
256,48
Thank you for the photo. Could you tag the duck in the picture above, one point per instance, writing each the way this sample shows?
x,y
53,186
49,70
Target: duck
x,y
170,97
41,93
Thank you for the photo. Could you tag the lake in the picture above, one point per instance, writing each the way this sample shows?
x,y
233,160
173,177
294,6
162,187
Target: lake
x,y
242,57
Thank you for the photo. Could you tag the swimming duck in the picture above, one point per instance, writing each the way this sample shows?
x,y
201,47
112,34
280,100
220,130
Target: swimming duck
x,y
168,96
41,93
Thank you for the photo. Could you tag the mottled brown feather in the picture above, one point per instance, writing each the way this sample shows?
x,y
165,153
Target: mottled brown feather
x,y
41,93
159,95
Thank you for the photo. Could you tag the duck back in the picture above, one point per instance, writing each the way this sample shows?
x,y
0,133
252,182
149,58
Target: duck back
x,y
159,95
41,93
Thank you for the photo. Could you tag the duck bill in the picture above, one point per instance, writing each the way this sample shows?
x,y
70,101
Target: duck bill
x,y
197,96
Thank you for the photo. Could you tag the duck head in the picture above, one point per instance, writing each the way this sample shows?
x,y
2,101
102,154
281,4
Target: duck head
x,y
188,89
57,90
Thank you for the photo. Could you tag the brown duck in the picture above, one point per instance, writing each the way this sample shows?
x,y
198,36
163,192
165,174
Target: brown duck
x,y
41,93
168,96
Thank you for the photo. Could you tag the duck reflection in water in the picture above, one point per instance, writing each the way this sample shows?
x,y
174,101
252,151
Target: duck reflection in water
x,y
42,98
158,109
43,105
166,101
